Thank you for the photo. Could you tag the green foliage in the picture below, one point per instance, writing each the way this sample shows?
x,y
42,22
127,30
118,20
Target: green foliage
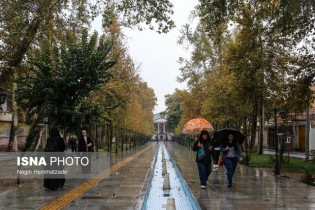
x,y
173,111
65,79
262,161
295,18
131,97
25,24
246,57
155,14
61,72
308,177
216,12
294,165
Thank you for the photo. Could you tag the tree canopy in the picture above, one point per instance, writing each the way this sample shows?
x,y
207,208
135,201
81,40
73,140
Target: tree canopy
x,y
247,57
78,69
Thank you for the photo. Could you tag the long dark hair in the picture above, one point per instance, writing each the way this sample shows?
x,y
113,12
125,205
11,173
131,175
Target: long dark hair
x,y
233,144
203,132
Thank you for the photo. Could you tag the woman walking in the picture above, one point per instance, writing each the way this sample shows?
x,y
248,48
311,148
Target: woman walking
x,y
55,147
203,148
232,153
86,146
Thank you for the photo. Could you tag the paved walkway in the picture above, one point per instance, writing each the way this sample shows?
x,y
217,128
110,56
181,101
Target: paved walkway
x,y
123,189
129,176
300,155
252,188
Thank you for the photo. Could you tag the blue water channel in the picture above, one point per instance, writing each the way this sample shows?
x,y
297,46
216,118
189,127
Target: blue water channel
x,y
156,197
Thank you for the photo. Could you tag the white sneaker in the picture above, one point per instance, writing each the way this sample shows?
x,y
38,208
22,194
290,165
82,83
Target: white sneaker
x,y
203,187
215,166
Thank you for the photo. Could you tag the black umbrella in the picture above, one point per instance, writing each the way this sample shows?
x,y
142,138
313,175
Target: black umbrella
x,y
222,135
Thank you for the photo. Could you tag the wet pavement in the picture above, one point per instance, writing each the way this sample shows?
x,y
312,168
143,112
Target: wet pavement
x,y
129,175
123,188
252,188
166,183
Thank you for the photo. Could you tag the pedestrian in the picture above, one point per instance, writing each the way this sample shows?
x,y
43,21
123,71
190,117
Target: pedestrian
x,y
86,146
203,148
232,153
73,143
85,143
215,154
55,147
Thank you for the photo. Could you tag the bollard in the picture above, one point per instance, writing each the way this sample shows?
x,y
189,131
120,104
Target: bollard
x,y
164,169
170,204
166,183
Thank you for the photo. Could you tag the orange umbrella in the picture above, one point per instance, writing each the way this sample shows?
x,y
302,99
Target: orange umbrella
x,y
197,125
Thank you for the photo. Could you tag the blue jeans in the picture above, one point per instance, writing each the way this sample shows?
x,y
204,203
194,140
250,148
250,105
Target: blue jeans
x,y
230,164
204,172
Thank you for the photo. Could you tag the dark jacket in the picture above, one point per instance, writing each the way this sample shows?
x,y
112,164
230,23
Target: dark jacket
x,y
206,145
54,134
55,181
215,143
61,144
72,142
82,146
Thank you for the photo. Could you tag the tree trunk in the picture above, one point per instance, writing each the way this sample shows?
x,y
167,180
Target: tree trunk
x,y
23,46
15,60
13,143
32,136
253,133
262,67
39,140
262,128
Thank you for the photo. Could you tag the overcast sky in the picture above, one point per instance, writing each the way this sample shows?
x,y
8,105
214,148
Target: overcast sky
x,y
158,54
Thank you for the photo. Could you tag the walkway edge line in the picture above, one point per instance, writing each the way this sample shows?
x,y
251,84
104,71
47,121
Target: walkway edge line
x,y
186,189
143,206
75,193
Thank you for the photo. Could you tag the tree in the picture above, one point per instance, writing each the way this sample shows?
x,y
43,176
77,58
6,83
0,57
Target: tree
x,y
245,61
155,14
24,24
173,110
133,99
139,111
222,104
79,68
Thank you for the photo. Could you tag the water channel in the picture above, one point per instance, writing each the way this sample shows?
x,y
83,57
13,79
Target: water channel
x,y
157,195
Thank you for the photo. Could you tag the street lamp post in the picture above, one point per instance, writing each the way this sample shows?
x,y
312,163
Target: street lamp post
x,y
277,146
246,142
277,164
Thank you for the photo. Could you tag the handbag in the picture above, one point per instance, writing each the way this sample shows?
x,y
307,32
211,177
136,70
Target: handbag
x,y
201,153
221,161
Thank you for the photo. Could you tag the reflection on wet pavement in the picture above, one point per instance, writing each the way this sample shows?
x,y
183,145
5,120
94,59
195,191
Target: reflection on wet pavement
x,y
252,188
125,188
